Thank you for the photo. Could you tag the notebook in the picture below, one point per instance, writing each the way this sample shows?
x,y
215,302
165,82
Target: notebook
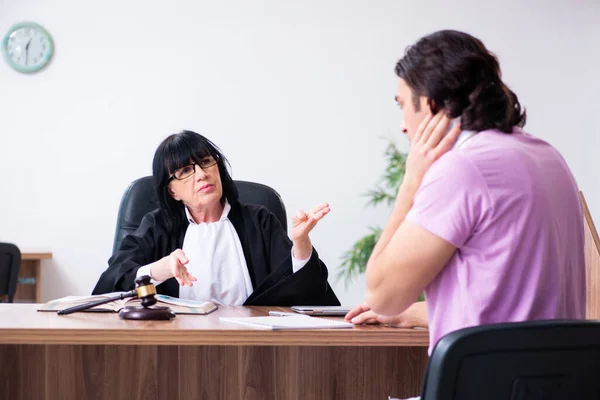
x,y
289,322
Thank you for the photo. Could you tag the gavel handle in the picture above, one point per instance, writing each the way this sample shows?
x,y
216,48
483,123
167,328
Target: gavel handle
x,y
95,303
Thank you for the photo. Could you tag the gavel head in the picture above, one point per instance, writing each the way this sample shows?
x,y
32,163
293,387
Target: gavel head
x,y
145,290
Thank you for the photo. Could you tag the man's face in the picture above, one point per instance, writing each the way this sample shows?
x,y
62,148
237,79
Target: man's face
x,y
411,115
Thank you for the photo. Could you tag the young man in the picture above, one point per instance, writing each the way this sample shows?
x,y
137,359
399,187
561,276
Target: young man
x,y
488,220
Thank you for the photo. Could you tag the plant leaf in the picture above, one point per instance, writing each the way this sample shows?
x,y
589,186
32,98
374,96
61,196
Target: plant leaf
x,y
354,261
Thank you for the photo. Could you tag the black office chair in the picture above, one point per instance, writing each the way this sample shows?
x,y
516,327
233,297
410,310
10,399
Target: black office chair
x,y
140,198
10,260
535,360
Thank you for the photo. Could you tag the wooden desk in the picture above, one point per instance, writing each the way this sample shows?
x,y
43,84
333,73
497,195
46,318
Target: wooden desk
x,y
100,356
29,271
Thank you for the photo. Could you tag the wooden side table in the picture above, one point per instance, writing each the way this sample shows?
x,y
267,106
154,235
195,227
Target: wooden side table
x,y
29,284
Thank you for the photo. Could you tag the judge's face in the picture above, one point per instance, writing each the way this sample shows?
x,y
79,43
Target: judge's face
x,y
197,186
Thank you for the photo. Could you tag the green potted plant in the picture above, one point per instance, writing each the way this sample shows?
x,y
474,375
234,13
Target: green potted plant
x,y
354,261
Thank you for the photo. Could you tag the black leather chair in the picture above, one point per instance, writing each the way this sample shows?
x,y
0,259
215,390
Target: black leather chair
x,y
10,260
535,360
140,198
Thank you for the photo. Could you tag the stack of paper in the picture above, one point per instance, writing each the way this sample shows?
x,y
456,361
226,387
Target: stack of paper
x,y
289,322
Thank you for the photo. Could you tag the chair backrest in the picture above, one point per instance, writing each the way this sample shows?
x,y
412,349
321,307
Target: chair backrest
x,y
592,263
140,198
10,260
533,360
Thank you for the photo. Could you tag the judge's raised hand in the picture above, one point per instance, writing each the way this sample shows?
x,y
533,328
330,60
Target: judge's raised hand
x,y
302,224
173,266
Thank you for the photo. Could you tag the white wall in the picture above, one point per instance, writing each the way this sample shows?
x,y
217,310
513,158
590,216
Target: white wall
x,y
297,94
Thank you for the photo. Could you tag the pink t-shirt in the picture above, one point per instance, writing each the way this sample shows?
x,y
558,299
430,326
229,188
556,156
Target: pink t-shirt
x,y
510,205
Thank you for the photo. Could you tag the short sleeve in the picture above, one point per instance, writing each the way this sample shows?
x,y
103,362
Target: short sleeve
x,y
452,199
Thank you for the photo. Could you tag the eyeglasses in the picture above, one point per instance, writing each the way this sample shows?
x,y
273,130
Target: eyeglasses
x,y
189,170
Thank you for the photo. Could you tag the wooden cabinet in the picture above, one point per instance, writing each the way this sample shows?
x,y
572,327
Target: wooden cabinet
x,y
28,283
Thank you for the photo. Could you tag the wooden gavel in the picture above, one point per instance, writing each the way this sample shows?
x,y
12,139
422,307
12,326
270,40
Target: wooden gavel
x,y
144,290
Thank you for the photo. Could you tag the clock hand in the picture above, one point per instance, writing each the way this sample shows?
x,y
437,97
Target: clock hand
x,y
27,52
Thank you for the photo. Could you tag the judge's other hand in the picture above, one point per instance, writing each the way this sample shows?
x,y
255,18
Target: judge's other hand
x,y
303,223
177,268
173,266
415,315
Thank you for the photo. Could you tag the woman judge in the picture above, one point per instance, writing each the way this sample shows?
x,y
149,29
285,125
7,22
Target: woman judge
x,y
204,244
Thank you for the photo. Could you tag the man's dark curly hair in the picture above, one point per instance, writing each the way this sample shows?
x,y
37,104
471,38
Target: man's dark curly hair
x,y
456,72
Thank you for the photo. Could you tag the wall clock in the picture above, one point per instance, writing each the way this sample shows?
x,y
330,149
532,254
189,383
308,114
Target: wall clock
x,y
27,47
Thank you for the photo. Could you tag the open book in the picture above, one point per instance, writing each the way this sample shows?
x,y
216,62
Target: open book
x,y
179,306
289,322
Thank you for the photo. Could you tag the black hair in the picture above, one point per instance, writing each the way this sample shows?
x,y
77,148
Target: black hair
x,y
458,74
179,150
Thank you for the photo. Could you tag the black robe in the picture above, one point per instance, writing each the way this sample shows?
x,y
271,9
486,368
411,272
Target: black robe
x,y
267,250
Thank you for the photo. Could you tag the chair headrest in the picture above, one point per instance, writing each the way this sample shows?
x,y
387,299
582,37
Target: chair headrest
x,y
140,198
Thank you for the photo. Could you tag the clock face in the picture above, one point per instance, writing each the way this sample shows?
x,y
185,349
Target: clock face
x,y
27,47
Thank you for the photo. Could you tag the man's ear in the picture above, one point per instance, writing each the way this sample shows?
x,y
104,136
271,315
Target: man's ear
x,y
431,105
